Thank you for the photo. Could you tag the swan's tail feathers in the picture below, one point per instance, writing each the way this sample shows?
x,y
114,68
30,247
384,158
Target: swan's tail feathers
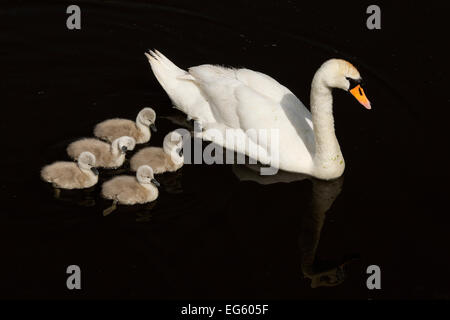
x,y
167,74
162,66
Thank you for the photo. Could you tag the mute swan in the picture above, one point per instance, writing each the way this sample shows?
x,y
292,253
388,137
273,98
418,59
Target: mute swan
x,y
71,175
168,158
112,129
131,190
106,155
247,101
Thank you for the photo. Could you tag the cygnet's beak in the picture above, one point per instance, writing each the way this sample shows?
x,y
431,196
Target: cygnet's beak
x,y
156,183
153,127
359,94
94,170
124,149
180,153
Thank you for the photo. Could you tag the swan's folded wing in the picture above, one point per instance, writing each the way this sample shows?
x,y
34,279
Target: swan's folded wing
x,y
217,85
269,87
208,73
231,91
288,118
262,83
255,112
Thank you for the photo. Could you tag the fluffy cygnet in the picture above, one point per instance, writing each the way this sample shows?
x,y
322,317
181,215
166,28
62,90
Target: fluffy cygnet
x,y
112,129
71,175
131,190
168,158
106,155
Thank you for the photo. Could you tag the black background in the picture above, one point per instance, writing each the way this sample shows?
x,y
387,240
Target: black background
x,y
222,238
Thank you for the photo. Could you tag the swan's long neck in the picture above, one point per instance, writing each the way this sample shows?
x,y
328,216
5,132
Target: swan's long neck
x,y
87,171
142,127
152,189
171,149
327,149
115,148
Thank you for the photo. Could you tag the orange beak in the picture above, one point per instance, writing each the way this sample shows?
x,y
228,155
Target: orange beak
x,y
359,94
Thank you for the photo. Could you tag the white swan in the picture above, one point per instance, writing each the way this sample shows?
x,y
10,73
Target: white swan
x,y
247,101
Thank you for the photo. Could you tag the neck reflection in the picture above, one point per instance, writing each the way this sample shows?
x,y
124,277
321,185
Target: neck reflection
x,y
324,194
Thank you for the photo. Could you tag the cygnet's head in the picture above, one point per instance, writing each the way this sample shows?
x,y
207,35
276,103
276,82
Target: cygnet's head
x,y
125,144
173,145
86,161
147,116
338,73
145,175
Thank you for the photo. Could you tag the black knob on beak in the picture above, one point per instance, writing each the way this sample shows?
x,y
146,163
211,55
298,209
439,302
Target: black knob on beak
x,y
124,149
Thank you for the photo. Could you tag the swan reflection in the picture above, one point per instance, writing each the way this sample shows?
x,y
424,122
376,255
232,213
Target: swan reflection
x,y
324,193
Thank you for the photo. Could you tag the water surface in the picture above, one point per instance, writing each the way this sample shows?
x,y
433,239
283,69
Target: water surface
x,y
215,232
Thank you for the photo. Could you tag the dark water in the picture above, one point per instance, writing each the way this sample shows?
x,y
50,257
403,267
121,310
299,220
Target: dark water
x,y
211,235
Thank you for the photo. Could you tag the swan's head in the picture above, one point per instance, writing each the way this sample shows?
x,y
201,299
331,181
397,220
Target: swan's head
x,y
173,146
145,175
147,116
338,73
86,161
125,144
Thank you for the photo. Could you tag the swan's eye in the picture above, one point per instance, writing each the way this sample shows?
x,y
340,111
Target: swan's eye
x,y
353,82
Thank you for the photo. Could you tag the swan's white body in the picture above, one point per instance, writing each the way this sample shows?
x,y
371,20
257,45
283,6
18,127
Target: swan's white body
x,y
245,100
